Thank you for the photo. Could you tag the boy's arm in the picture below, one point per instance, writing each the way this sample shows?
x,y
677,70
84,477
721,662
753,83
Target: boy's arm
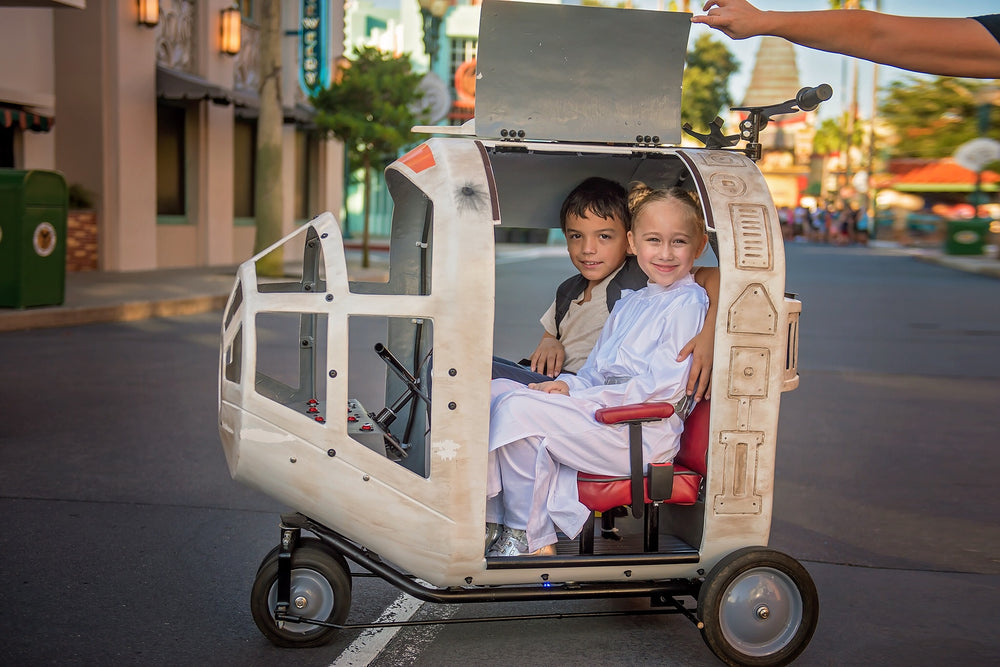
x,y
702,347
549,356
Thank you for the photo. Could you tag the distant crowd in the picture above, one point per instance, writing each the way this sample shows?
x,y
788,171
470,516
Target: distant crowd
x,y
839,223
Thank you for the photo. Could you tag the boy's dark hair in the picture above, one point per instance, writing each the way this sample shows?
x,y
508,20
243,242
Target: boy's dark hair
x,y
597,196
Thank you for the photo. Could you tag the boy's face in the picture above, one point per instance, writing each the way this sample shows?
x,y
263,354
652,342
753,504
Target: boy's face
x,y
597,246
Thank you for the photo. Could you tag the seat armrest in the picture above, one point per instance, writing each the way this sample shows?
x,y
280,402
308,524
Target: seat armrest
x,y
635,412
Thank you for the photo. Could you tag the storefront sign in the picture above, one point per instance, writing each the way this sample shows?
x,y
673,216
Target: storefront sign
x,y
314,72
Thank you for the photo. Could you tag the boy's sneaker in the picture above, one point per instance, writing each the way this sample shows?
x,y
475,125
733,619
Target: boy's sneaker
x,y
512,542
493,531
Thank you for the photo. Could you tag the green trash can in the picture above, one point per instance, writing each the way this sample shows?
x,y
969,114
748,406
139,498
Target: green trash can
x,y
33,206
966,237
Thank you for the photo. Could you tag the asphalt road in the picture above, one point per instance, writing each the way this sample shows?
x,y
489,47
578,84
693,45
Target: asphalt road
x,y
126,542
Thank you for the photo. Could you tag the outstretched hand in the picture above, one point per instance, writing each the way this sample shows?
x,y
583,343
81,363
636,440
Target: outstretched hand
x,y
736,18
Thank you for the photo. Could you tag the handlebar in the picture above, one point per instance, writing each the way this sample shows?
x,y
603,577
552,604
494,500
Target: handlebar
x,y
810,98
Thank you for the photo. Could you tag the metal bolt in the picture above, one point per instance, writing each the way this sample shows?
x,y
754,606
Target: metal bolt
x,y
452,372
452,405
329,297
762,612
333,374
300,602
293,460
366,477
331,453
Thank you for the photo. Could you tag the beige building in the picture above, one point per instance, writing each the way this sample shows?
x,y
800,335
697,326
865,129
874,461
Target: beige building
x,y
158,124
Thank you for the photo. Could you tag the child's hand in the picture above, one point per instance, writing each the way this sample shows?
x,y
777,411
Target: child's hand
x,y
551,387
701,348
549,356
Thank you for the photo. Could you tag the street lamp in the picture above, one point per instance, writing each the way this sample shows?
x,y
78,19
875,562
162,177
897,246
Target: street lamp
x,y
149,12
432,11
230,25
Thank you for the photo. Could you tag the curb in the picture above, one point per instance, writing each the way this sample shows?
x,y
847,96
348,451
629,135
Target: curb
x,y
48,318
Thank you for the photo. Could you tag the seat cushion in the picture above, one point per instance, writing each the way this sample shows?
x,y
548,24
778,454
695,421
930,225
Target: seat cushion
x,y
601,493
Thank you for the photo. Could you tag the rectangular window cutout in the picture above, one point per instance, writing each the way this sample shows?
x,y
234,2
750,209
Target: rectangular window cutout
x,y
389,387
411,244
292,360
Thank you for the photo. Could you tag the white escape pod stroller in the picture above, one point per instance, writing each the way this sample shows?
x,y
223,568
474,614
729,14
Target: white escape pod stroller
x,y
364,406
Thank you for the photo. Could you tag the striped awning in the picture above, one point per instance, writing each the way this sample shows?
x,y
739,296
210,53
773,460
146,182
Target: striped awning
x,y
26,120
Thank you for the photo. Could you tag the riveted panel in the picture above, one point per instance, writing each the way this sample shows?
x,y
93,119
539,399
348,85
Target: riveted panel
x,y
753,312
752,236
739,493
748,371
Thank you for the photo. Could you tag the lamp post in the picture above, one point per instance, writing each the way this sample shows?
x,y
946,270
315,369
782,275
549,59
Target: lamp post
x,y
432,11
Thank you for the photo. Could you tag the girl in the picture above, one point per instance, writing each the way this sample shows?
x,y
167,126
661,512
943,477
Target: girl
x,y
542,435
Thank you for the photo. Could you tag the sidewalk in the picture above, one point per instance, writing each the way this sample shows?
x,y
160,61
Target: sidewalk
x,y
98,296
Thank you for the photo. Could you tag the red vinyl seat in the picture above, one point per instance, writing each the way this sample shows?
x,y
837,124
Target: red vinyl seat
x,y
603,493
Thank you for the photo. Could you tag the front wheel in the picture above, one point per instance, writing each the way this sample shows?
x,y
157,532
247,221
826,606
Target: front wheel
x,y
759,607
320,589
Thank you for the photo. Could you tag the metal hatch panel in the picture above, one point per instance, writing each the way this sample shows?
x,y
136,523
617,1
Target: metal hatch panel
x,y
575,73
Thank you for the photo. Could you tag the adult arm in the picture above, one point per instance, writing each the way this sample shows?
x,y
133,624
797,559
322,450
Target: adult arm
x,y
943,46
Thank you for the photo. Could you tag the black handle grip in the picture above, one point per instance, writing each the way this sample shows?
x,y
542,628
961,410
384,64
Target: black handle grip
x,y
809,98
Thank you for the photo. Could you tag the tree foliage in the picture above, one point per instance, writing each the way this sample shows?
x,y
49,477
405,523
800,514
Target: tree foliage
x,y
931,117
708,66
371,106
832,132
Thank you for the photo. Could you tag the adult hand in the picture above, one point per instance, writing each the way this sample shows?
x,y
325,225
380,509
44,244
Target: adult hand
x,y
548,357
736,18
551,387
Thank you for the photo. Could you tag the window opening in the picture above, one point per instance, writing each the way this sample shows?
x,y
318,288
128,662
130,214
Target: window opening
x,y
389,387
291,361
410,247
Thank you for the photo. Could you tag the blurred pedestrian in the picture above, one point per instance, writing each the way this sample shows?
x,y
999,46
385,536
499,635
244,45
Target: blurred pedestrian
x,y
944,46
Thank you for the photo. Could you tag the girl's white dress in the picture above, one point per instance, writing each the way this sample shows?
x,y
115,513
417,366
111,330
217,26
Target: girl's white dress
x,y
538,441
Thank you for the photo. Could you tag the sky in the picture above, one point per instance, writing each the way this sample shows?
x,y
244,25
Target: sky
x,y
817,67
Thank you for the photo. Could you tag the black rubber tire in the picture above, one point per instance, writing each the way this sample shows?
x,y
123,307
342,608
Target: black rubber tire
x,y
739,590
320,576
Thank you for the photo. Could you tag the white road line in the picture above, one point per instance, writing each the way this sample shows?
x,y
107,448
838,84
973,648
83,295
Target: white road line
x,y
370,643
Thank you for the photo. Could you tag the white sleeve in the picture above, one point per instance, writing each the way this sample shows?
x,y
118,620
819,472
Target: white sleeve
x,y
665,377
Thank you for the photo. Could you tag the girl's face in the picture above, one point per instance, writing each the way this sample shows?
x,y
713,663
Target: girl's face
x,y
666,241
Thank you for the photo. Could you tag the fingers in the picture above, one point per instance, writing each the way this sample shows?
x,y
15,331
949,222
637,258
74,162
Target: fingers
x,y
687,351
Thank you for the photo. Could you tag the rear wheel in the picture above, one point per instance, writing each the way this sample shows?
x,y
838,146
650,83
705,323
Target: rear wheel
x,y
759,607
320,589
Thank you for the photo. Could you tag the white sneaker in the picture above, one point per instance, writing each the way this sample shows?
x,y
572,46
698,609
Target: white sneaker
x,y
512,542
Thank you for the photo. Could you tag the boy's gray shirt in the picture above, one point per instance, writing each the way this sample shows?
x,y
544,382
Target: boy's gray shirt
x,y
630,276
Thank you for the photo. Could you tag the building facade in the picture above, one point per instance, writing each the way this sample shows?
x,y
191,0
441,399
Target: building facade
x,y
156,125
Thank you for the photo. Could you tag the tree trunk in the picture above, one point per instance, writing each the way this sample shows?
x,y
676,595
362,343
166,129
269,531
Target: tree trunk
x,y
366,165
267,179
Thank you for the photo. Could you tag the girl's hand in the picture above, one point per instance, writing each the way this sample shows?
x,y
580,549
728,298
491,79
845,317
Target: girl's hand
x,y
551,387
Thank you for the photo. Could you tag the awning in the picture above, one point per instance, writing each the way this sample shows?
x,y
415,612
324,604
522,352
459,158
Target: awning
x,y
248,107
11,116
174,85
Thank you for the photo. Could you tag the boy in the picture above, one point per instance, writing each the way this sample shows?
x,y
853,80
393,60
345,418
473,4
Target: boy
x,y
595,220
